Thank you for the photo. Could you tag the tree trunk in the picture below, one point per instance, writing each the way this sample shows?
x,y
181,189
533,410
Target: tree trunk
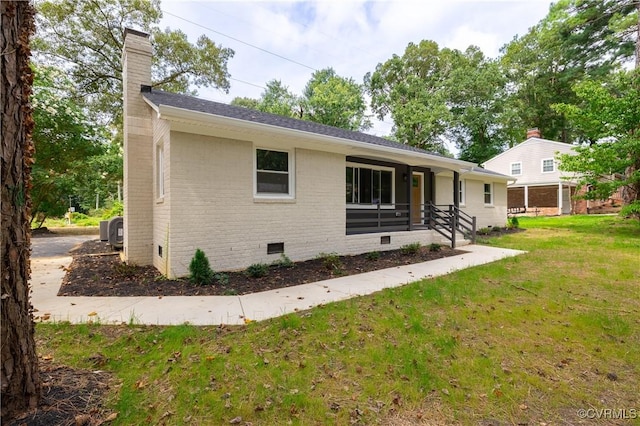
x,y
19,377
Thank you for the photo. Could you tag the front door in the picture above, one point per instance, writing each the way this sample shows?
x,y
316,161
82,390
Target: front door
x,y
417,198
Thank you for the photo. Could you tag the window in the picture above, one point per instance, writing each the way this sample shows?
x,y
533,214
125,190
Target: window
x,y
366,185
516,169
488,193
548,165
274,172
160,171
462,184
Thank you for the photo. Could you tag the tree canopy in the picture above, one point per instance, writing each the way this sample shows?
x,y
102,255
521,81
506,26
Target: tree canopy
x,y
85,38
327,99
608,113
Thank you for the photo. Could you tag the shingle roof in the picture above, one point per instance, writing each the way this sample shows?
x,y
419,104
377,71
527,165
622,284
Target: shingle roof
x,y
158,97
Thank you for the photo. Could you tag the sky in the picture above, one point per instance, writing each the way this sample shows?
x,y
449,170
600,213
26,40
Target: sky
x,y
289,40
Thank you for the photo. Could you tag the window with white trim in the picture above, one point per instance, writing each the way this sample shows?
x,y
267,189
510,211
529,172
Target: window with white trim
x,y
273,172
369,185
516,168
160,171
461,190
548,165
488,193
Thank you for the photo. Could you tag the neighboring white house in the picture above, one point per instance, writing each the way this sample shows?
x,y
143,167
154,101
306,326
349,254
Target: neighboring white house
x,y
245,186
539,185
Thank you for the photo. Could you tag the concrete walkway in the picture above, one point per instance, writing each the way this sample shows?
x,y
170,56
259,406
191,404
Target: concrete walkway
x,y
47,274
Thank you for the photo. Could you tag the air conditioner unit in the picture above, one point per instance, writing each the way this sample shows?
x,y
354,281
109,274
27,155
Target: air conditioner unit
x,y
116,232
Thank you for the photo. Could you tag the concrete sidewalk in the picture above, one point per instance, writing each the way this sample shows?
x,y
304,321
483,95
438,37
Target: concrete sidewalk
x,y
47,274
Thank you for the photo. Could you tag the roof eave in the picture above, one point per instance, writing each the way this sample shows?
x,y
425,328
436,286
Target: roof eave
x,y
170,112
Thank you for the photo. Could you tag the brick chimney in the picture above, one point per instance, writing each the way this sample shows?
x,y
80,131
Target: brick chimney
x,y
138,149
533,133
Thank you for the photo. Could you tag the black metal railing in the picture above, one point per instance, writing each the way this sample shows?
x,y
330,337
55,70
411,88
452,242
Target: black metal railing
x,y
446,220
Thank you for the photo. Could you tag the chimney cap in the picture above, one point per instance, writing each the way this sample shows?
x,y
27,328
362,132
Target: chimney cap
x,y
135,32
533,133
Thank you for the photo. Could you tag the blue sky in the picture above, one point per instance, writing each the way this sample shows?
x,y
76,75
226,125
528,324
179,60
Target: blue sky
x,y
351,36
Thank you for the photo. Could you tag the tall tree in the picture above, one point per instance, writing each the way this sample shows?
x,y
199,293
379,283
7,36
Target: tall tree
x,y
608,114
335,101
19,380
411,89
578,39
85,38
476,92
66,143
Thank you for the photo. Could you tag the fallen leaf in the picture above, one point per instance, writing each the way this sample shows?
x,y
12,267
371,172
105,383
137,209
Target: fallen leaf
x,y
111,417
235,420
83,419
92,314
47,357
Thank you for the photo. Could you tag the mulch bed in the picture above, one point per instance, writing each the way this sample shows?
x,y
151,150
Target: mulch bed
x,y
96,270
70,397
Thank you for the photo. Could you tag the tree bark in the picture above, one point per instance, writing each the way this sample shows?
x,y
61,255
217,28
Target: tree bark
x,y
19,377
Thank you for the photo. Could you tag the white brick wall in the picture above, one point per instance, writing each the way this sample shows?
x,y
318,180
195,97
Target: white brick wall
x,y
494,215
162,205
138,156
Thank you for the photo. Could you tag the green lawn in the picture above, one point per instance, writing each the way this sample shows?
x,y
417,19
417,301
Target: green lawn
x,y
531,339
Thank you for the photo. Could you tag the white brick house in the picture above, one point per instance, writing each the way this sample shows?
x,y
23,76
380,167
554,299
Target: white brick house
x,y
245,186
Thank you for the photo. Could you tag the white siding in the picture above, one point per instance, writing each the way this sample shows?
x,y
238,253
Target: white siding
x,y
530,154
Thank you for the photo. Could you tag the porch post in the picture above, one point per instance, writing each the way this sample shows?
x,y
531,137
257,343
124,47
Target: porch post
x,y
410,195
456,189
526,197
560,198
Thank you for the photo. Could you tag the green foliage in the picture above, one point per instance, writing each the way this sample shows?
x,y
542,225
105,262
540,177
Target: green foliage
x,y
484,231
410,249
200,269
125,270
117,209
335,101
435,247
373,255
631,210
257,270
65,143
283,262
513,222
87,37
331,261
327,99
608,114
221,278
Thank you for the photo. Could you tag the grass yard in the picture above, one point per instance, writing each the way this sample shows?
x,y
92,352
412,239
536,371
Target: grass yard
x,y
527,340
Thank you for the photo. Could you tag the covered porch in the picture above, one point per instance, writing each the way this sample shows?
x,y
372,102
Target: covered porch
x,y
383,196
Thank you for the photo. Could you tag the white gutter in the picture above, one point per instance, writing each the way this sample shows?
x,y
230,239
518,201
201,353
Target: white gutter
x,y
168,112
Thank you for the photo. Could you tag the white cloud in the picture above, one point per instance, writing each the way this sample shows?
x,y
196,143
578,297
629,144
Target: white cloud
x,y
352,36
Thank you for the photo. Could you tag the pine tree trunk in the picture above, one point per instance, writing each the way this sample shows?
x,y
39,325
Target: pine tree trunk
x,y
19,377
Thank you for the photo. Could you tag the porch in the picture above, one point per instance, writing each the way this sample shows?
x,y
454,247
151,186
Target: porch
x,y
446,220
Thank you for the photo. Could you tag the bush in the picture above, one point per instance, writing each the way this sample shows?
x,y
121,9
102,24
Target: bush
x,y
221,278
283,262
117,209
408,249
483,231
201,272
331,261
513,223
435,247
374,255
257,270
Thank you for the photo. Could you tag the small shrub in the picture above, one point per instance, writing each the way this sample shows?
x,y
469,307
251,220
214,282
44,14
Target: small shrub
x,y
374,255
201,272
434,247
125,270
257,270
221,278
513,223
483,231
331,261
409,249
283,262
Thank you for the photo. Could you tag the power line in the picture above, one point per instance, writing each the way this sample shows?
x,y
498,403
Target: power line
x,y
240,41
